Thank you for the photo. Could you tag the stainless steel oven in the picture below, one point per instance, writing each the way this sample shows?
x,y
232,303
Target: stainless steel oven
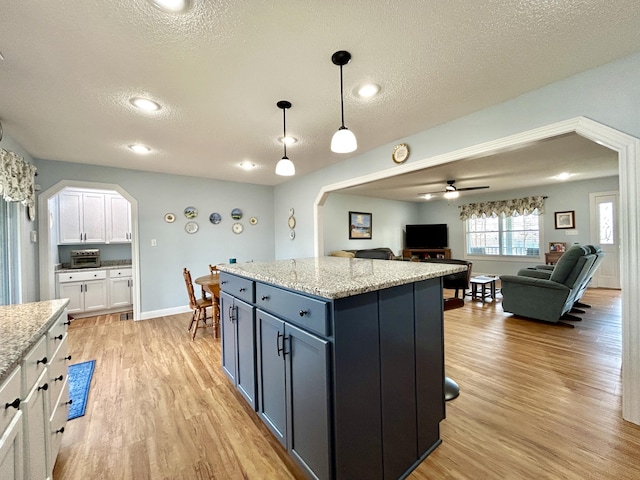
x,y
85,258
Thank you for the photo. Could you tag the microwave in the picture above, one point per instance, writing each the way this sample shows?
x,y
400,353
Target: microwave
x,y
86,258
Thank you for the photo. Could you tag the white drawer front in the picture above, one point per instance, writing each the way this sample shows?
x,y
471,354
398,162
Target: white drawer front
x,y
120,272
81,276
34,364
9,393
58,370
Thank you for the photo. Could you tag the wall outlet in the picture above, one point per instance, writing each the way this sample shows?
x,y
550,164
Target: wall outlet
x,y
154,243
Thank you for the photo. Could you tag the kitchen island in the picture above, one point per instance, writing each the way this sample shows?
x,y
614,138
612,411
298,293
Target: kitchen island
x,y
342,359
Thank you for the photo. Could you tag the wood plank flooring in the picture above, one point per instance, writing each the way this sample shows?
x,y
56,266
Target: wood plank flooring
x,y
537,401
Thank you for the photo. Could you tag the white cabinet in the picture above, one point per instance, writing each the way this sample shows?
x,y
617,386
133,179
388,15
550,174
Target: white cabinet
x,y
118,219
86,290
11,428
120,286
81,217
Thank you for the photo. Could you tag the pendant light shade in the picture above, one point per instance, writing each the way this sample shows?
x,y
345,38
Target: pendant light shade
x,y
344,140
285,167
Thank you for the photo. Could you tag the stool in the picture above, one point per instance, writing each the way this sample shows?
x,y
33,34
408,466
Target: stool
x,y
487,288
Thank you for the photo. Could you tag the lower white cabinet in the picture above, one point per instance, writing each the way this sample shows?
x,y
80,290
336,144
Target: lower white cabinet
x,y
34,407
120,287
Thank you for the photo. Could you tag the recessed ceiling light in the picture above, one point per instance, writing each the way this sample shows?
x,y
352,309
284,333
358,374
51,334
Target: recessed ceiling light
x,y
171,5
247,165
145,104
140,149
368,90
288,140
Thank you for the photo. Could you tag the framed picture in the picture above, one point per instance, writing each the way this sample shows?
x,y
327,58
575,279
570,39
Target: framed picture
x,y
565,219
360,226
557,246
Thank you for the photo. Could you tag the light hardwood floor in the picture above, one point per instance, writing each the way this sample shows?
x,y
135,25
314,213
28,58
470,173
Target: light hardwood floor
x,y
537,401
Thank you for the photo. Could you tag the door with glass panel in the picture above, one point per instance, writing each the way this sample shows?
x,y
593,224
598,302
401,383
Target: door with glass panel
x,y
605,232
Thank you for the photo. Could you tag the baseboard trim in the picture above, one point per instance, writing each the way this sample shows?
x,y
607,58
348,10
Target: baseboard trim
x,y
164,312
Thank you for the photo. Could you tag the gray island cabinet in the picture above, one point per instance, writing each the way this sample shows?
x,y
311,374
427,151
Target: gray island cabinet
x,y
342,358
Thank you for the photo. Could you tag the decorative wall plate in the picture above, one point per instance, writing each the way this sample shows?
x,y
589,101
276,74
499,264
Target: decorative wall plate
x,y
237,227
400,153
191,227
253,220
292,222
236,214
215,218
169,217
191,212
292,234
291,212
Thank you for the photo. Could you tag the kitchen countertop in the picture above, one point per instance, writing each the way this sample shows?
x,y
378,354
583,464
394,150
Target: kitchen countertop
x,y
22,326
338,277
106,265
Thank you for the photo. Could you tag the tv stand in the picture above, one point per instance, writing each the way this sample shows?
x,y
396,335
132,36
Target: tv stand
x,y
426,252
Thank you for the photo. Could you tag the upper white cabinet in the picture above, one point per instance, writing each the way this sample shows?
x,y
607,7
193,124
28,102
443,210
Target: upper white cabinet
x,y
93,217
118,219
81,217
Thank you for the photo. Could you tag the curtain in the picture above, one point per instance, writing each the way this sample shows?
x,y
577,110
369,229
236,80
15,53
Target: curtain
x,y
508,208
17,179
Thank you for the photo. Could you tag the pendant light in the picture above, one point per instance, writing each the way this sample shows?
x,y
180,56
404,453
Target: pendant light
x,y
343,141
285,167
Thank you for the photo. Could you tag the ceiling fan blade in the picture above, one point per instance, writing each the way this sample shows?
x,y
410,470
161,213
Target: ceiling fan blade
x,y
472,188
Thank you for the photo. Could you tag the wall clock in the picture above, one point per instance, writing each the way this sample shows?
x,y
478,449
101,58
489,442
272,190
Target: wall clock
x,y
400,153
237,227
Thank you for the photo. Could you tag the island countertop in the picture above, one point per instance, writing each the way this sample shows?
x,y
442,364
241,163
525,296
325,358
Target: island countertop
x,y
339,277
21,326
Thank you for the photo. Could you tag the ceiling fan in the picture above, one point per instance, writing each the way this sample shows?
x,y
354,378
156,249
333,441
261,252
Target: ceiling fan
x,y
451,191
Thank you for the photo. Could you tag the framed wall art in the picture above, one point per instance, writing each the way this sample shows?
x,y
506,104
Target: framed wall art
x,y
360,226
565,219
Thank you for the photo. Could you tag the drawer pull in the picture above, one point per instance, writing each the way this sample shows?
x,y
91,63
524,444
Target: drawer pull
x,y
303,313
15,404
61,430
68,357
264,297
58,337
44,387
68,322
278,343
69,402
243,289
58,379
43,361
223,282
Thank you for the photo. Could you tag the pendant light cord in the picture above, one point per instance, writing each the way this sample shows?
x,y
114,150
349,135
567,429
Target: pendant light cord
x,y
284,125
341,98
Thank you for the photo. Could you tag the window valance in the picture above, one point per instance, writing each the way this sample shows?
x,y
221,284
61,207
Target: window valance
x,y
513,207
17,179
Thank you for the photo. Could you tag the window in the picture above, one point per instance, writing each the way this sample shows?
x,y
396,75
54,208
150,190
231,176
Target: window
x,y
8,252
512,236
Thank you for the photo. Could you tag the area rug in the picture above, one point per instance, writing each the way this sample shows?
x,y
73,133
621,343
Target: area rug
x,y
79,381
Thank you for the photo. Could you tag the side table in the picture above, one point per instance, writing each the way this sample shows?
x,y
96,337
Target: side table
x,y
487,288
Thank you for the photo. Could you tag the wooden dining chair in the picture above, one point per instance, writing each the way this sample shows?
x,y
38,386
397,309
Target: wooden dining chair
x,y
213,270
199,306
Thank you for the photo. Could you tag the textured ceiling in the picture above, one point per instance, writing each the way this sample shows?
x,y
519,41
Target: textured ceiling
x,y
69,68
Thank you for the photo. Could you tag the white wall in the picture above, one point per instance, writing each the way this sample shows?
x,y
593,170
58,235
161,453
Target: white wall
x,y
161,283
388,218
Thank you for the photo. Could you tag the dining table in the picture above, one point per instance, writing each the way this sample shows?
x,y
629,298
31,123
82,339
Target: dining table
x,y
211,284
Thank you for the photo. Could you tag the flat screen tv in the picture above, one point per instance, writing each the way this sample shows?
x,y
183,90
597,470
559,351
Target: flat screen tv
x,y
427,236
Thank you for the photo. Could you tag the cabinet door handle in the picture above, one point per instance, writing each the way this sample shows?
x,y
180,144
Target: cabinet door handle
x,y
68,322
278,337
61,430
303,312
68,402
243,289
68,357
58,337
43,361
44,387
223,282
59,378
15,404
264,297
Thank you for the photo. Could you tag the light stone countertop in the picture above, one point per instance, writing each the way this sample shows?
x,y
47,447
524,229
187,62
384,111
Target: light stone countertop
x,y
106,265
338,277
21,326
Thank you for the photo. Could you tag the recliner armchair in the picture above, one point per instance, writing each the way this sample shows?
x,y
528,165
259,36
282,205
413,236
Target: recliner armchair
x,y
530,294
